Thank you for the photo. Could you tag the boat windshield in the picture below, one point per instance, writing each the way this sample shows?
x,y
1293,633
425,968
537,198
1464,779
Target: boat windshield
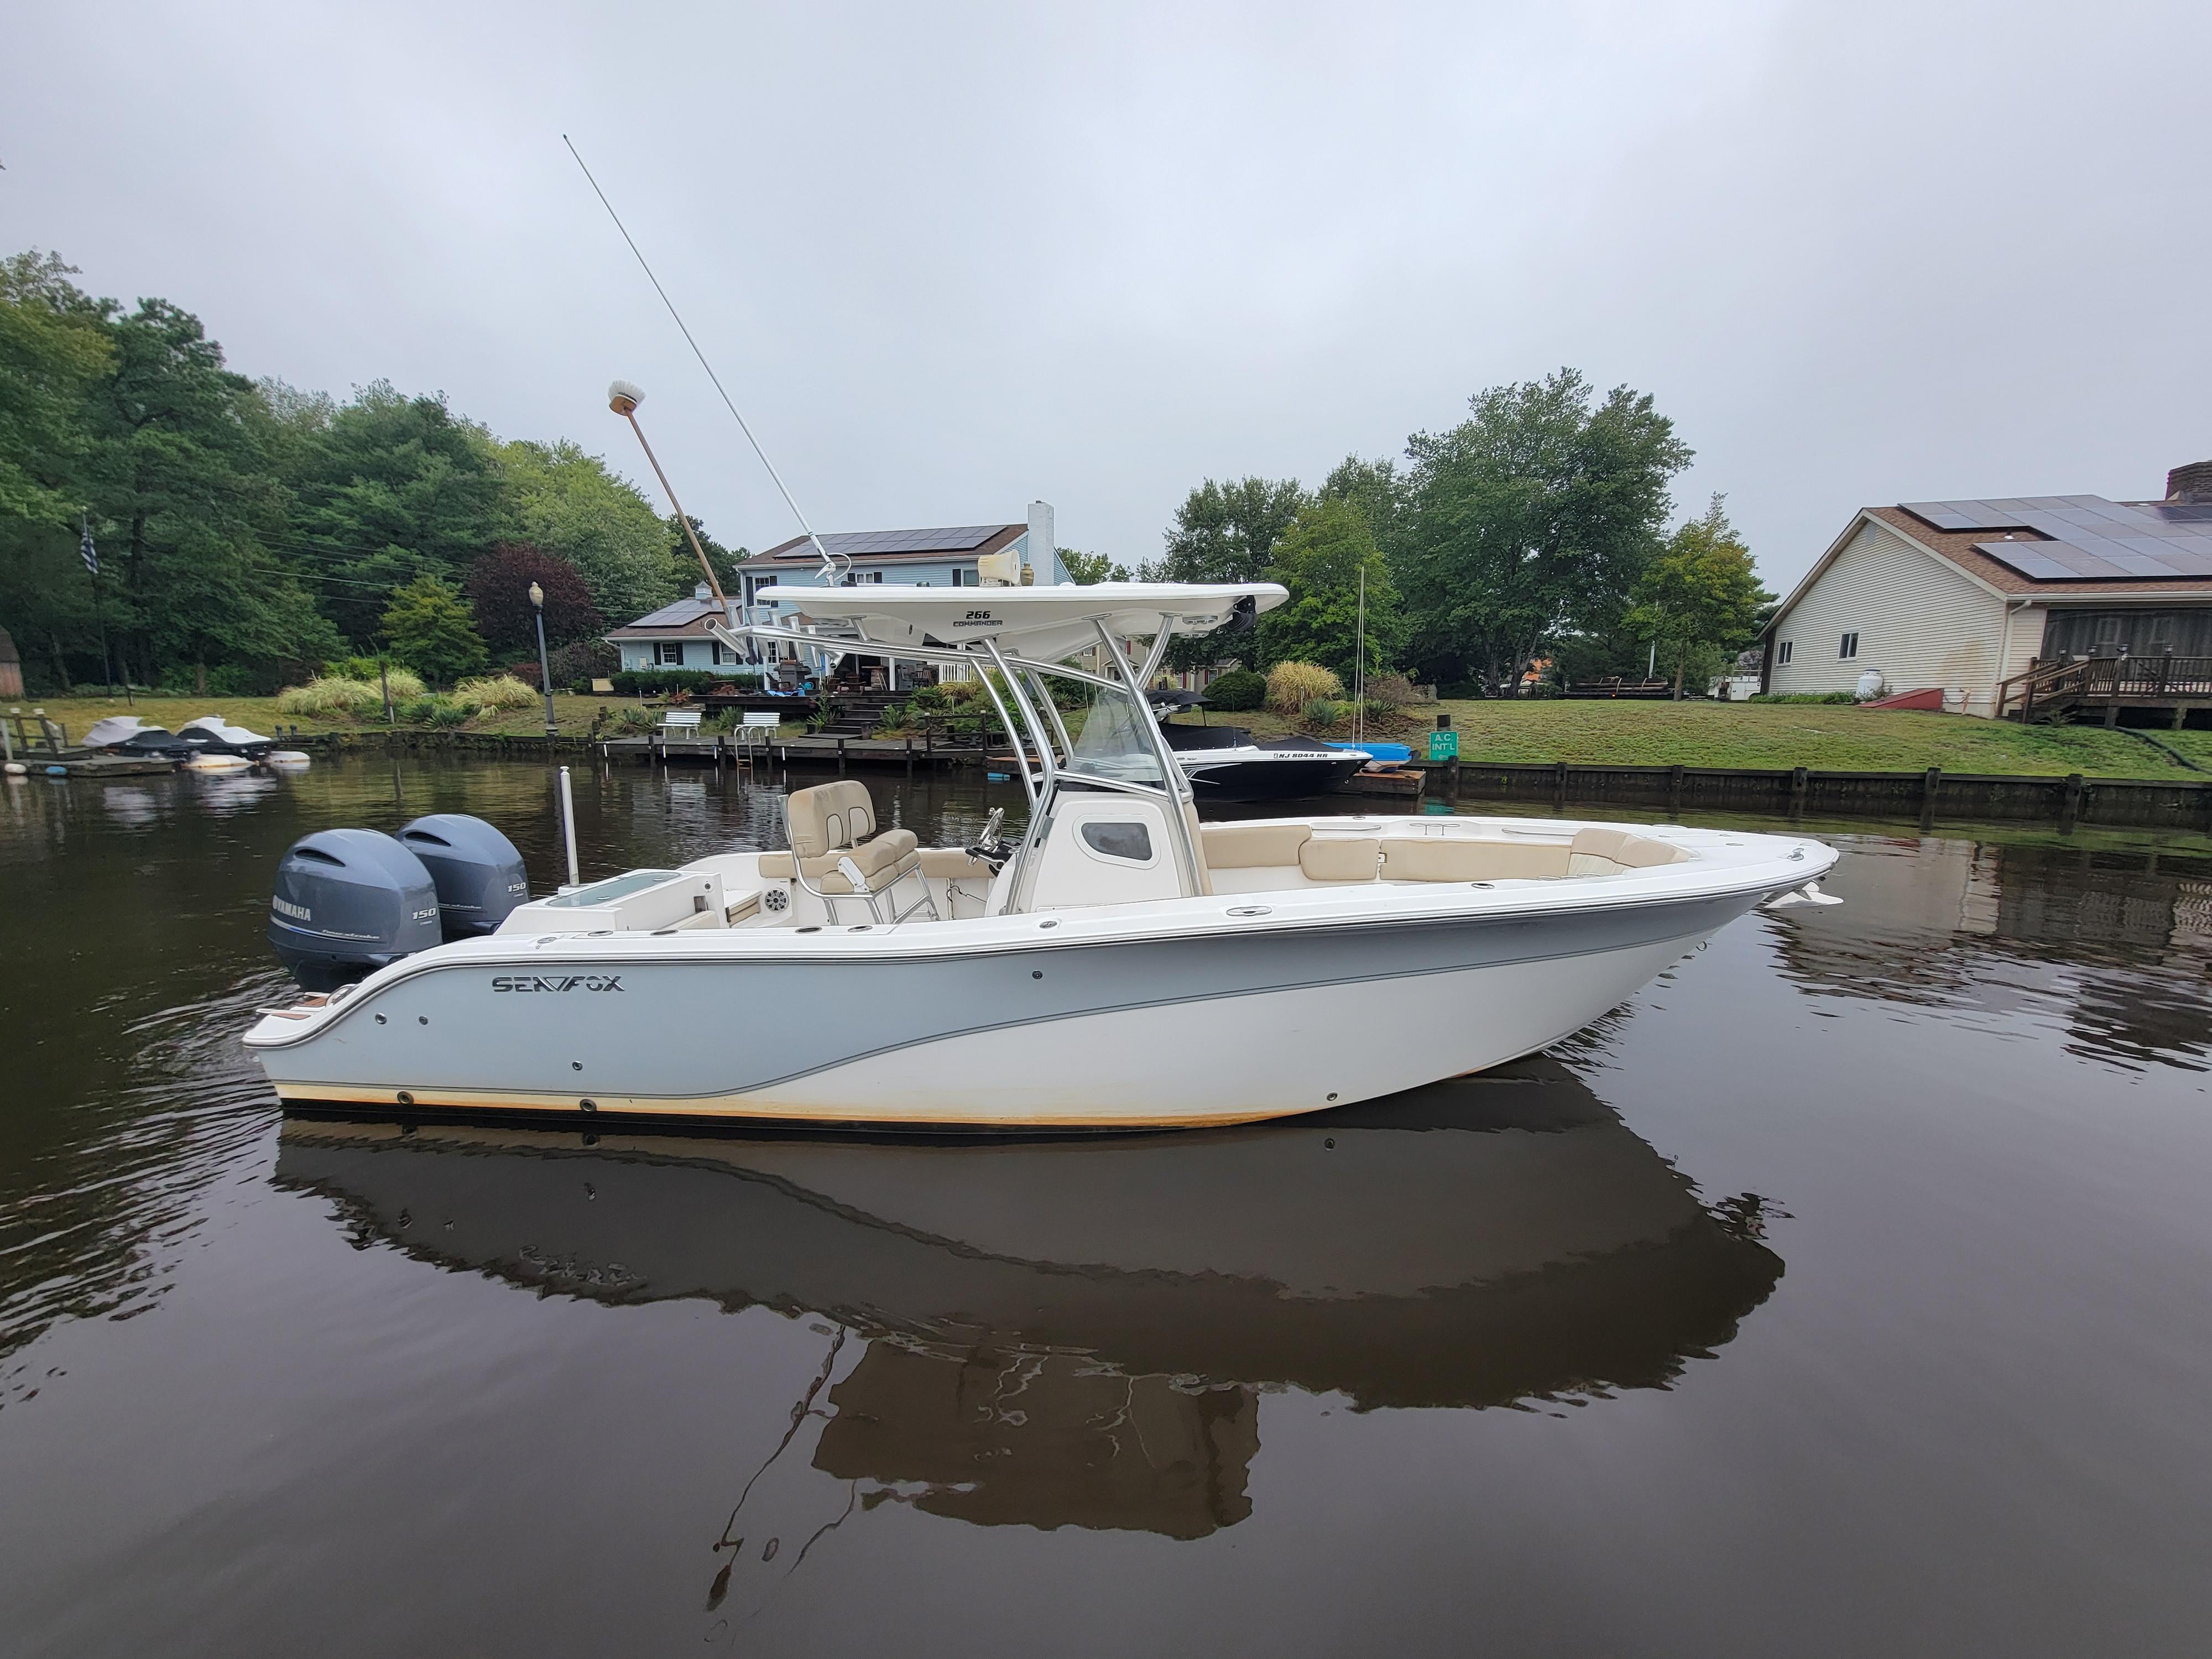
x,y
1114,738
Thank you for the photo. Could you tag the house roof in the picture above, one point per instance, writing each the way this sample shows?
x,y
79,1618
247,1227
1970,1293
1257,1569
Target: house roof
x,y
1979,550
686,618
1963,550
892,546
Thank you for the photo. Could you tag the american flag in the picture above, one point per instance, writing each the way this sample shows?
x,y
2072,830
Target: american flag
x,y
91,553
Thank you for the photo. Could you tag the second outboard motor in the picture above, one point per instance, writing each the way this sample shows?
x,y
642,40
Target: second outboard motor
x,y
348,901
478,873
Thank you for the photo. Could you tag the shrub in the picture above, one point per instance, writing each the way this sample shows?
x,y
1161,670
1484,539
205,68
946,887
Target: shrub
x,y
652,682
419,710
1237,691
1391,691
1319,714
1801,696
1292,685
451,711
326,697
584,661
498,694
629,719
405,682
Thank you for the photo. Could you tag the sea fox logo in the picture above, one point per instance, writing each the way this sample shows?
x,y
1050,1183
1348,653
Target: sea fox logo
x,y
558,982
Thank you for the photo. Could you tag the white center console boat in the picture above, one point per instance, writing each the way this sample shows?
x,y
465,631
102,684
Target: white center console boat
x,y
1117,965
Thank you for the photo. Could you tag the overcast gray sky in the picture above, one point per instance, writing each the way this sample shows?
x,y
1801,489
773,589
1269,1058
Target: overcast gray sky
x,y
951,257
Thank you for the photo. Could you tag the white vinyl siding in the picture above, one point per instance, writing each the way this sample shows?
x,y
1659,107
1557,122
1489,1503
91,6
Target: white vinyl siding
x,y
2026,642
1918,619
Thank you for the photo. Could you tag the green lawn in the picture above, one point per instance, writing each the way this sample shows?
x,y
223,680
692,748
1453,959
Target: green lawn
x,y
1826,738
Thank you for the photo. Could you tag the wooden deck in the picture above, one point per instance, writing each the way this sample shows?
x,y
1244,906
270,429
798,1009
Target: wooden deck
x,y
2105,685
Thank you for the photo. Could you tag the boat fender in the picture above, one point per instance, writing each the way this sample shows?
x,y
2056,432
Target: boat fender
x,y
478,873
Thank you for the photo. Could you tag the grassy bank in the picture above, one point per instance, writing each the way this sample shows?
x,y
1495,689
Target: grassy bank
x,y
574,714
1826,738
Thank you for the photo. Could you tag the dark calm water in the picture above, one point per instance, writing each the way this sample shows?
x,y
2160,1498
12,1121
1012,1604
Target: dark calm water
x,y
1845,1292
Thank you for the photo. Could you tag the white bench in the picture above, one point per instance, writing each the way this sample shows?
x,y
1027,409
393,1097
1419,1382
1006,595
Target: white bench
x,y
767,717
680,722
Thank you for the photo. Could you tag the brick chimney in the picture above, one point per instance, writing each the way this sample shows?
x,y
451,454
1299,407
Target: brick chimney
x,y
2192,483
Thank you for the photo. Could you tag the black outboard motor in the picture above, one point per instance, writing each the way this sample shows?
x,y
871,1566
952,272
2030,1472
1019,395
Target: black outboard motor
x,y
479,874
348,901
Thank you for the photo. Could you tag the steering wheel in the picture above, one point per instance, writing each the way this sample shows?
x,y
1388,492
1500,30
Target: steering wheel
x,y
987,846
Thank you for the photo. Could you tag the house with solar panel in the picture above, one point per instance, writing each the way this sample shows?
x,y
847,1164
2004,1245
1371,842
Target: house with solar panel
x,y
679,635
2024,607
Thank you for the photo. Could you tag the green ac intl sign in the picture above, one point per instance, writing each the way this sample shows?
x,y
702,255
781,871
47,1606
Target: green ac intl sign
x,y
1443,746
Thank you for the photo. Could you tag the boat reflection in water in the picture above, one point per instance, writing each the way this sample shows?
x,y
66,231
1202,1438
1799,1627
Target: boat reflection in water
x,y
1078,1333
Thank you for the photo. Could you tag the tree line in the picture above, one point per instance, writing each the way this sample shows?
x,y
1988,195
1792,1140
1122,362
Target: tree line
x,y
1530,539
247,532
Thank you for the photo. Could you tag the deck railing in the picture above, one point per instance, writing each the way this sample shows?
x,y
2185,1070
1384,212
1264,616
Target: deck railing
x,y
2102,681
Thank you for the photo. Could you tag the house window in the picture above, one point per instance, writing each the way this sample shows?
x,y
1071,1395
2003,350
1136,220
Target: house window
x,y
719,654
1781,651
668,654
963,578
1849,647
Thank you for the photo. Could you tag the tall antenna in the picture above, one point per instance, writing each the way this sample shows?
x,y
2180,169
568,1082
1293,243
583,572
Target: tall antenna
x,y
832,566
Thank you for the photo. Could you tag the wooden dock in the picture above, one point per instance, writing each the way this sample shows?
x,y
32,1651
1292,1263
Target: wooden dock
x,y
80,764
724,749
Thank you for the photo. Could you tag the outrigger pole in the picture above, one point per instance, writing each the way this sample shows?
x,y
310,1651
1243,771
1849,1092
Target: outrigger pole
x,y
833,565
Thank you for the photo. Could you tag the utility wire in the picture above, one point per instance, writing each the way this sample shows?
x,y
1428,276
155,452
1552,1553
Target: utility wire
x,y
830,568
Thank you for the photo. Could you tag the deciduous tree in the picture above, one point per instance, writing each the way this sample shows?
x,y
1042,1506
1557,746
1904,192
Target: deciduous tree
x,y
1085,569
568,503
1225,533
1535,516
1321,559
498,589
1700,595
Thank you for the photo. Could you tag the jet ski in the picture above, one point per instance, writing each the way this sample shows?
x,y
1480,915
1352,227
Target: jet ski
x,y
211,734
127,734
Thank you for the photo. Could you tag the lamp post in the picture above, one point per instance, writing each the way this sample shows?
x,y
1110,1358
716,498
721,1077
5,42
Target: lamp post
x,y
545,668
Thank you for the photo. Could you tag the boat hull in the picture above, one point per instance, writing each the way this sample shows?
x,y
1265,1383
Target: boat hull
x,y
1274,779
1147,1033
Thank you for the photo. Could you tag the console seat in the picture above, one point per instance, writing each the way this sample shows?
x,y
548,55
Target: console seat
x,y
834,824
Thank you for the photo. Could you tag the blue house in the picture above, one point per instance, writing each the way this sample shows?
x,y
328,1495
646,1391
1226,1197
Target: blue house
x,y
677,635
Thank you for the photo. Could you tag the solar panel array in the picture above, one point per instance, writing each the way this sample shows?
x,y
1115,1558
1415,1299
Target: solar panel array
x,y
2091,539
862,543
677,615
